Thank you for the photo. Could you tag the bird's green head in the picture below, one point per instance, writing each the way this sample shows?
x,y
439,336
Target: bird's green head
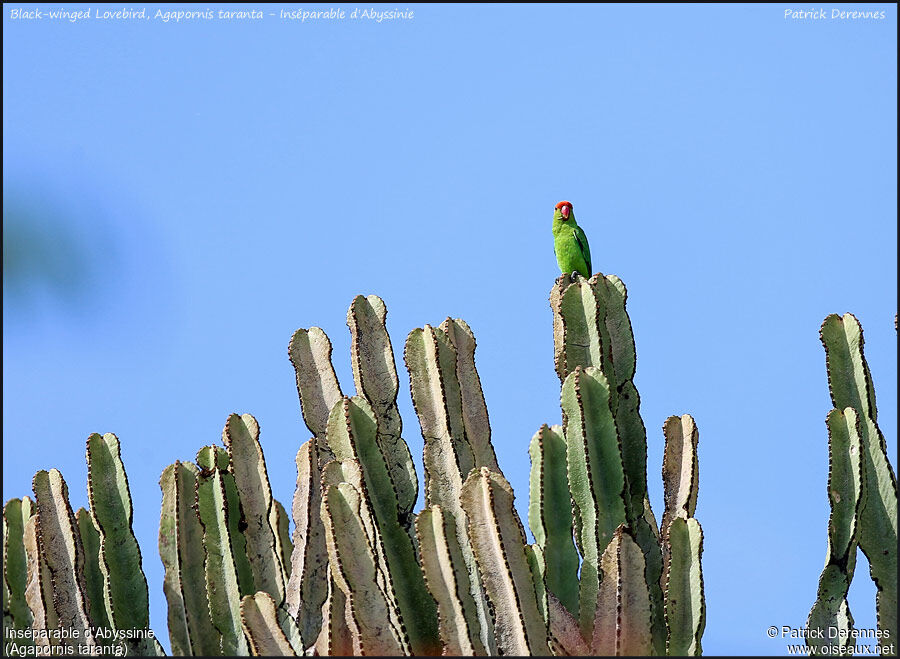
x,y
563,212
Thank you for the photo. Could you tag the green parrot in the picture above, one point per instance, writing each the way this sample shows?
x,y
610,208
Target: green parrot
x,y
569,242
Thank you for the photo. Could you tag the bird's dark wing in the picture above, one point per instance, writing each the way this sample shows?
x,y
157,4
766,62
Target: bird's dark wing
x,y
583,246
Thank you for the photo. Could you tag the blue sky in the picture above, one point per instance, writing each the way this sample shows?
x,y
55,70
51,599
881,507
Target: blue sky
x,y
209,186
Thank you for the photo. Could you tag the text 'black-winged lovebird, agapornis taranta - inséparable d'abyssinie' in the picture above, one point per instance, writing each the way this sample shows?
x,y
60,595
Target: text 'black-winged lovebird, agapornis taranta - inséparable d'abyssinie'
x,y
569,242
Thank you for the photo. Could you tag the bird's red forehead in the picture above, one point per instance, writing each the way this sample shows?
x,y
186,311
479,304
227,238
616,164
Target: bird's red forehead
x,y
563,203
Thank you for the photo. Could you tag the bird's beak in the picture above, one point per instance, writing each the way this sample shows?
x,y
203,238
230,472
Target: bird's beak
x,y
565,212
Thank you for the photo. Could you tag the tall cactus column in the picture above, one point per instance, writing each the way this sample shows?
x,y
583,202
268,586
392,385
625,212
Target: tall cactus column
x,y
597,463
372,476
872,523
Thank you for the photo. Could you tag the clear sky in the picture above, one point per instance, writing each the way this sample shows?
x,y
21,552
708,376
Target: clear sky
x,y
195,191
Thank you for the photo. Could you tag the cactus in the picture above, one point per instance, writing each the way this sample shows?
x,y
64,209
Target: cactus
x,y
38,588
622,617
363,574
352,435
863,497
498,541
17,617
552,529
247,466
845,482
191,631
58,560
455,443
125,591
264,623
682,539
636,591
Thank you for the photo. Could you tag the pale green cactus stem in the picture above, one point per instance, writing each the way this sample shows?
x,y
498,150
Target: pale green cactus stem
x,y
307,588
191,631
622,618
60,554
685,604
335,638
538,566
580,336
317,383
552,526
850,384
375,376
680,471
596,477
263,624
16,614
682,539
281,522
354,566
432,362
448,579
125,586
498,541
248,467
219,510
376,379
341,633
831,611
474,408
39,586
351,434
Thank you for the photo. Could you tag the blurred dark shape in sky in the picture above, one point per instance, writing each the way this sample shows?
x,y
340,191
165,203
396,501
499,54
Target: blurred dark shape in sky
x,y
53,247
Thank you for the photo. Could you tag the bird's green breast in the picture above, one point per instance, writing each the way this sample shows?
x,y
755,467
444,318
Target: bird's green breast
x,y
568,252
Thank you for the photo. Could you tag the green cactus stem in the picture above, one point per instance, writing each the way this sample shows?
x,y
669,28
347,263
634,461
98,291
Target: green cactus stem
x,y
850,384
375,376
16,614
125,586
352,432
596,477
685,604
93,573
248,467
218,508
831,610
191,631
552,527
